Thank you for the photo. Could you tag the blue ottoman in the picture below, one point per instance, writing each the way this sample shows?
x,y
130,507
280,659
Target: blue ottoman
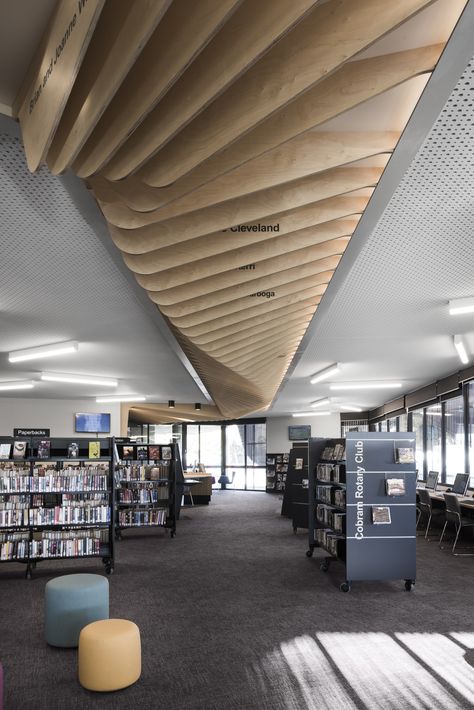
x,y
72,602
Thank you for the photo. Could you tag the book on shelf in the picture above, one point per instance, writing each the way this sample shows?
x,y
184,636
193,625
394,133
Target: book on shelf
x,y
381,515
154,453
166,453
44,449
5,451
270,461
73,450
127,452
19,449
286,458
142,453
404,455
395,486
298,464
94,449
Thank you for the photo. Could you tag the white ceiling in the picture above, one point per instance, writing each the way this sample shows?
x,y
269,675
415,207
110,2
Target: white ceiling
x,y
384,317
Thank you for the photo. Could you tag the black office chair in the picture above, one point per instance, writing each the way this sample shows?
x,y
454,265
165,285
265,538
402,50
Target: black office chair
x,y
425,505
454,515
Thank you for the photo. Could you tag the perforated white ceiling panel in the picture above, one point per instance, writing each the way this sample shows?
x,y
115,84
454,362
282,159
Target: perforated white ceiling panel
x,y
389,319
58,282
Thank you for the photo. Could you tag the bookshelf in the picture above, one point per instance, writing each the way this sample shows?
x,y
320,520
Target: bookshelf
x,y
277,469
55,507
145,486
362,502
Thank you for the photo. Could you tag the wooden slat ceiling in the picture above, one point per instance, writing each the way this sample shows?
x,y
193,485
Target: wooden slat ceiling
x,y
204,131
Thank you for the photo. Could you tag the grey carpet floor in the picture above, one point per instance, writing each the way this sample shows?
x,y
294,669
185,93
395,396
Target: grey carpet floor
x,y
233,615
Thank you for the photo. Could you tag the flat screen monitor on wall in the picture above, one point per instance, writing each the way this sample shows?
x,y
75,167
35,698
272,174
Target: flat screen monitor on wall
x,y
92,422
299,433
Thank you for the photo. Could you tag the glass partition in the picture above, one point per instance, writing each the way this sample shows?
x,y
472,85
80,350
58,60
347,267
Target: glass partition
x,y
433,437
454,427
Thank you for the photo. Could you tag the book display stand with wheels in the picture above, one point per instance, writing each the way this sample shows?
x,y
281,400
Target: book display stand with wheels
x,y
362,502
145,484
277,469
295,496
56,500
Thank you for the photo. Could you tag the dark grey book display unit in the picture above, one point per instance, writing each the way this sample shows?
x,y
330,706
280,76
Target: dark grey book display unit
x,y
277,469
56,500
145,485
363,509
295,496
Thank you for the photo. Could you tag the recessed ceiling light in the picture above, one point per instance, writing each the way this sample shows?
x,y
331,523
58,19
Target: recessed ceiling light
x,y
324,374
197,406
461,348
121,398
17,385
366,386
461,305
171,403
42,351
310,414
78,379
320,402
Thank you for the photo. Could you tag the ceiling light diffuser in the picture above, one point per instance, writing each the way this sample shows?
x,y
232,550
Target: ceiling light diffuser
x,y
121,398
17,385
78,379
310,414
42,351
324,374
461,348
366,386
461,305
320,402
349,408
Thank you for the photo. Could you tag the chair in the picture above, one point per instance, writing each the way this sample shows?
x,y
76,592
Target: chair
x,y
425,506
454,515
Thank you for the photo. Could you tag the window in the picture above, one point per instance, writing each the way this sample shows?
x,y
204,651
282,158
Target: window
x,y
246,446
454,428
470,432
383,426
392,424
417,429
433,437
203,445
403,422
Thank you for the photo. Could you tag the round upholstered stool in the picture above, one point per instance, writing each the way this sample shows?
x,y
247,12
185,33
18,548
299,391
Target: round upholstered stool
x,y
110,655
72,602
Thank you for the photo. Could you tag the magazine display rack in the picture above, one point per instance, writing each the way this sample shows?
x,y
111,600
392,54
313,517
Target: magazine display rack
x,y
56,500
145,484
295,496
277,469
362,502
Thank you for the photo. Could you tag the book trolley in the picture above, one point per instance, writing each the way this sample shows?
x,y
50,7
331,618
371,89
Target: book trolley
x,y
295,495
56,501
362,505
145,485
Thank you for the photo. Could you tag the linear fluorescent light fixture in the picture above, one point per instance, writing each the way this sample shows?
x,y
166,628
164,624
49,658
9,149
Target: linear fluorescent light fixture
x,y
310,414
366,386
461,305
324,374
320,402
350,408
461,348
121,398
17,385
42,351
78,379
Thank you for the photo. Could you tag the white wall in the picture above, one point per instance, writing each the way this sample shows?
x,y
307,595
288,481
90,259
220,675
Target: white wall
x,y
277,430
54,414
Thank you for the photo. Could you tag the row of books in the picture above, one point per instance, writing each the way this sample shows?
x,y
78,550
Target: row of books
x,y
331,495
77,547
331,518
333,542
137,518
70,515
334,453
52,484
141,472
144,452
331,472
143,495
19,450
14,546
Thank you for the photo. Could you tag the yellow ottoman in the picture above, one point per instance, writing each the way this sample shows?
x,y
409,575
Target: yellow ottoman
x,y
110,655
